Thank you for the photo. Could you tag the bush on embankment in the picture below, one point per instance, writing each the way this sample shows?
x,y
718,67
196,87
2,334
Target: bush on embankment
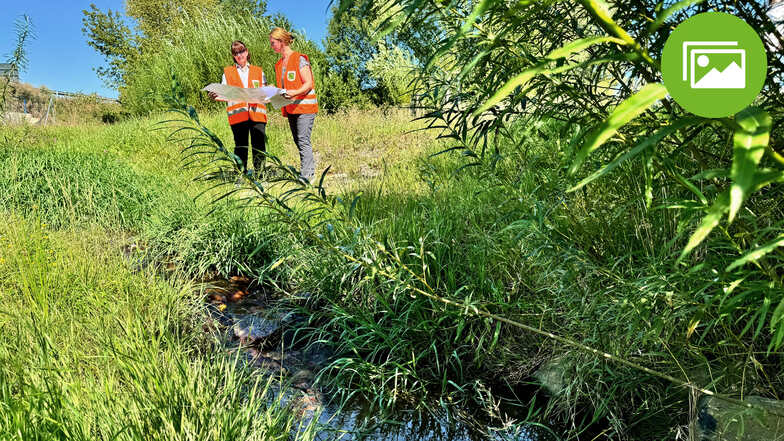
x,y
196,53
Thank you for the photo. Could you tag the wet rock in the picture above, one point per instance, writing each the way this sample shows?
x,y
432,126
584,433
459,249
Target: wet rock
x,y
316,356
554,374
253,328
303,379
719,420
307,404
239,287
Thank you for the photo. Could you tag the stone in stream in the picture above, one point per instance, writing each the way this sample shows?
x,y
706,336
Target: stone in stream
x,y
252,328
303,379
719,420
553,374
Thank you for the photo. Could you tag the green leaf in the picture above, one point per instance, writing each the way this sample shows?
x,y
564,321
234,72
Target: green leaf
x,y
776,326
644,144
510,86
471,65
765,177
763,314
689,186
757,253
625,112
583,43
601,11
750,140
541,68
667,13
478,10
709,222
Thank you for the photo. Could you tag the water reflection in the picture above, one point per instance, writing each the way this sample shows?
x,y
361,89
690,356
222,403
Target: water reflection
x,y
358,422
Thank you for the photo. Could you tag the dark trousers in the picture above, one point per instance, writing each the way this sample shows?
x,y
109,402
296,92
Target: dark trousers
x,y
258,139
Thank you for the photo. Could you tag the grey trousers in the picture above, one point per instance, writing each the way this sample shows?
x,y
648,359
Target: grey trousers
x,y
301,126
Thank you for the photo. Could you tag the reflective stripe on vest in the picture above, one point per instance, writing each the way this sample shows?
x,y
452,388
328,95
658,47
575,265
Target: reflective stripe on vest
x,y
245,109
304,103
239,111
309,98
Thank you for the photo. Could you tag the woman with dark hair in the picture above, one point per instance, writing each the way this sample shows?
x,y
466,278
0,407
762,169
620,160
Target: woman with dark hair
x,y
246,118
293,73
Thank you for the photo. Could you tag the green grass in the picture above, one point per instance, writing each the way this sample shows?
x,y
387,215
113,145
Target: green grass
x,y
595,265
89,350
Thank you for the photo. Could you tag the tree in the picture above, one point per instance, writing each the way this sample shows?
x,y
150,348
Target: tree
x,y
108,34
254,8
155,18
17,61
349,46
352,43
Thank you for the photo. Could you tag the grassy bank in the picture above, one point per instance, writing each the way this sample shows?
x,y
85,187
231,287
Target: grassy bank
x,y
90,350
588,265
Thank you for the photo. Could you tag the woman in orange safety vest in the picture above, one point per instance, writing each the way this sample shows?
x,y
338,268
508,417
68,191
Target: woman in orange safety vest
x,y
246,118
293,73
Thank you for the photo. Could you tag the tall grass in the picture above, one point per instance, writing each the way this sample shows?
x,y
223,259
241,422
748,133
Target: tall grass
x,y
197,52
89,350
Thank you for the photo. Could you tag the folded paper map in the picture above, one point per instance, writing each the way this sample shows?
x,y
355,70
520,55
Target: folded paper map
x,y
264,95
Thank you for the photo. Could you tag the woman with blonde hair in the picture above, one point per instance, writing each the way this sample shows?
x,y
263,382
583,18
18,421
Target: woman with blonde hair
x,y
246,118
293,73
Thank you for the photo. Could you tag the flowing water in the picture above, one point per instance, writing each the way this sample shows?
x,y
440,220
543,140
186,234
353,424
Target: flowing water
x,y
249,322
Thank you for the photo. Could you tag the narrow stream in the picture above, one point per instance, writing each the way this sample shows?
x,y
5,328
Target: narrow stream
x,y
250,323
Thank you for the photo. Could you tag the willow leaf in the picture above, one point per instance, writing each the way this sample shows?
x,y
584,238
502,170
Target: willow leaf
x,y
667,13
470,66
709,222
601,11
541,68
625,112
478,10
756,254
689,186
646,143
510,86
581,44
765,177
750,140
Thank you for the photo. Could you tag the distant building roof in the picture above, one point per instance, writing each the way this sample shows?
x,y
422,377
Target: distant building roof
x,y
7,70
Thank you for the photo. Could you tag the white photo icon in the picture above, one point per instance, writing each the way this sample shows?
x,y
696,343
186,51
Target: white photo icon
x,y
707,67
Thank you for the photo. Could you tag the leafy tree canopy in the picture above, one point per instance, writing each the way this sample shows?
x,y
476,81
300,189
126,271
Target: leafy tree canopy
x,y
121,38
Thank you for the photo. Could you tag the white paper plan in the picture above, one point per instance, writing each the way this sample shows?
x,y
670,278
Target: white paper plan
x,y
264,95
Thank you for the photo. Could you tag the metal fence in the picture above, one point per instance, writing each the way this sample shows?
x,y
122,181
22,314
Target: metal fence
x,y
39,105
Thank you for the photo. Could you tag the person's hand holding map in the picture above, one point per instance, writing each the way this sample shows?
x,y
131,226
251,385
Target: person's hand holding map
x,y
262,95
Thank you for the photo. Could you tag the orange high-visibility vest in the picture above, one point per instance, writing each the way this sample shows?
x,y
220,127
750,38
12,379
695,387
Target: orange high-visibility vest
x,y
239,111
305,103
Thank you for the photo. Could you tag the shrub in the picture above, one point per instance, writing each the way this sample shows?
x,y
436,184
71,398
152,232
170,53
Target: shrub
x,y
196,54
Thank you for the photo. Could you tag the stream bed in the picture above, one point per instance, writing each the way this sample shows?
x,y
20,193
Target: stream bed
x,y
263,329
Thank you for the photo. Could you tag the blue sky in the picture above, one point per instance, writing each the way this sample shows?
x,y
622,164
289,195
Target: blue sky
x,y
60,59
